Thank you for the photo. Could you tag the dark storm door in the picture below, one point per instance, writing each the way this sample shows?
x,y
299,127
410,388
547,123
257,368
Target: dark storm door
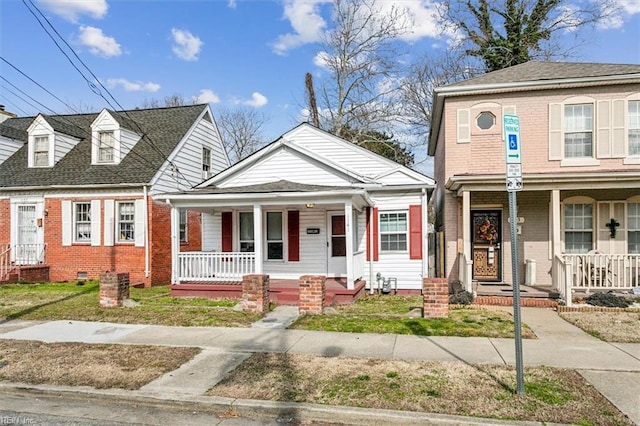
x,y
486,244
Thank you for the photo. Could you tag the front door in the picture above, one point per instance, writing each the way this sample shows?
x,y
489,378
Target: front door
x,y
486,244
337,245
29,244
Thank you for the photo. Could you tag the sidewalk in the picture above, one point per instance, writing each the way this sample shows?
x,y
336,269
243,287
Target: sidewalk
x,y
613,368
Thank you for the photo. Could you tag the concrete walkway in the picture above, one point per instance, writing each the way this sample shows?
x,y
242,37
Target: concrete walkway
x,y
614,369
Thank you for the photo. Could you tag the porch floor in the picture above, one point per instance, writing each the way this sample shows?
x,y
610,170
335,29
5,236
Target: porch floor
x,y
281,291
502,294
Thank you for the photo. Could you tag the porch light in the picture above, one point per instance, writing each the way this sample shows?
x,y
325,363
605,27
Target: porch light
x,y
310,205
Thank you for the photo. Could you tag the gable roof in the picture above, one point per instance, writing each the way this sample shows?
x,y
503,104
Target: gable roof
x,y
163,129
339,156
529,76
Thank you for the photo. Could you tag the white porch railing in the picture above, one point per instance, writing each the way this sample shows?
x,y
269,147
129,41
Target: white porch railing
x,y
28,254
595,272
358,264
214,266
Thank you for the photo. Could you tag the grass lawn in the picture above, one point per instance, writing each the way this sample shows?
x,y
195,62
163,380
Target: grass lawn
x,y
551,394
612,326
400,315
79,301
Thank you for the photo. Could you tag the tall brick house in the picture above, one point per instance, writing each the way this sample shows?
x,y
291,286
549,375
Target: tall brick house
x,y
76,193
579,208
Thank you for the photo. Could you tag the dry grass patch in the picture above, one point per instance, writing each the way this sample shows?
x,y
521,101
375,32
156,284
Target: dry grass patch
x,y
552,395
96,365
620,327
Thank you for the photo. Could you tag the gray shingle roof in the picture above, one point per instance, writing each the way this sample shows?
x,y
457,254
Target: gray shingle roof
x,y
163,129
540,71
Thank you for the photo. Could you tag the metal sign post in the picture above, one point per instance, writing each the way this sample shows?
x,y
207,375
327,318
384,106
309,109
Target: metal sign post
x,y
514,184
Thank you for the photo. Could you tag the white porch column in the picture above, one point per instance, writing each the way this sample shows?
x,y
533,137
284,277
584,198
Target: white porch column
x,y
348,224
466,239
257,238
175,244
556,238
425,234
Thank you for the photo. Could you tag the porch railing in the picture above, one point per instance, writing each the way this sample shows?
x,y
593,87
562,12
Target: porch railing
x,y
214,266
358,264
595,272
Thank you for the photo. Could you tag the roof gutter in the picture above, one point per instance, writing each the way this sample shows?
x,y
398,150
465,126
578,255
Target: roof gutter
x,y
52,187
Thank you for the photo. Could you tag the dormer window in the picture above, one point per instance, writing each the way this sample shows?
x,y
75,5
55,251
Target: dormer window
x,y
106,147
41,151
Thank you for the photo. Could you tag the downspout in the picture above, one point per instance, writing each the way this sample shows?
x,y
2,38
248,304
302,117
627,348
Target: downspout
x,y
371,251
146,232
425,235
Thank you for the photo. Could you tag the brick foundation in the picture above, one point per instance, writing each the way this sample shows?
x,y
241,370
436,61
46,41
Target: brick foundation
x,y
34,274
508,301
255,293
312,294
114,289
435,295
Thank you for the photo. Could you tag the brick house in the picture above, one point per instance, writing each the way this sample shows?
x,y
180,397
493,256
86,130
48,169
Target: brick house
x,y
76,193
579,208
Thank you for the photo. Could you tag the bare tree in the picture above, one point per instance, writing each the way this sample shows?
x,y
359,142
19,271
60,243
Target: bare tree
x,y
510,32
241,130
425,74
177,99
361,56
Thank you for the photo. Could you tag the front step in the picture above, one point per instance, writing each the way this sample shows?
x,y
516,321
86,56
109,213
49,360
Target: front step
x,y
533,302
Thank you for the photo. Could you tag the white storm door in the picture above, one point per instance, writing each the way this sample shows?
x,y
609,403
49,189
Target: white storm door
x,y
29,245
336,245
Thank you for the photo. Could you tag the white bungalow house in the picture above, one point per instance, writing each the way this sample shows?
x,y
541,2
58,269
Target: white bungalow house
x,y
309,203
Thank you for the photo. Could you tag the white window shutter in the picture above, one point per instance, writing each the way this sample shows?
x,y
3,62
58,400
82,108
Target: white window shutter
x,y
140,220
556,143
464,125
618,138
109,230
95,222
67,223
603,134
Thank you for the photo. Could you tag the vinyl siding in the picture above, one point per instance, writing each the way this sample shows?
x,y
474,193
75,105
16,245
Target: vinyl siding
x,y
8,147
188,159
286,165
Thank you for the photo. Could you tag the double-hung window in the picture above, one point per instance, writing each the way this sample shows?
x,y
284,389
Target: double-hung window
x,y
578,131
183,225
206,162
634,128
126,220
246,232
578,228
393,231
82,222
275,241
41,151
106,147
633,224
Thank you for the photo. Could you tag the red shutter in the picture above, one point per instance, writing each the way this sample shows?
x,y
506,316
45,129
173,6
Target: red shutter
x,y
415,232
293,231
227,231
368,233
376,234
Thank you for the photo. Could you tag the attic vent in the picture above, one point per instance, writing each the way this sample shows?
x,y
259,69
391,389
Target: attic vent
x,y
207,117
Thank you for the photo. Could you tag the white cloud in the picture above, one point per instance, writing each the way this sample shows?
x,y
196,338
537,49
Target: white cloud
x,y
618,17
185,45
98,43
630,6
207,96
308,25
232,4
129,86
257,100
71,10
423,21
321,59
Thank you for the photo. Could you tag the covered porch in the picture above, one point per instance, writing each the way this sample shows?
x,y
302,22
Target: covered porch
x,y
281,229
577,233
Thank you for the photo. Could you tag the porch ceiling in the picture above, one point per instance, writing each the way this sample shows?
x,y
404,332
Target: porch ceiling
x,y
610,179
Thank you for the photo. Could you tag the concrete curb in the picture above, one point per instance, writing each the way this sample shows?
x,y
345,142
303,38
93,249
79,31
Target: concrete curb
x,y
256,408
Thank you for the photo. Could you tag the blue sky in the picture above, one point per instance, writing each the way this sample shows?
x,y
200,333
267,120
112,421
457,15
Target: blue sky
x,y
225,52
